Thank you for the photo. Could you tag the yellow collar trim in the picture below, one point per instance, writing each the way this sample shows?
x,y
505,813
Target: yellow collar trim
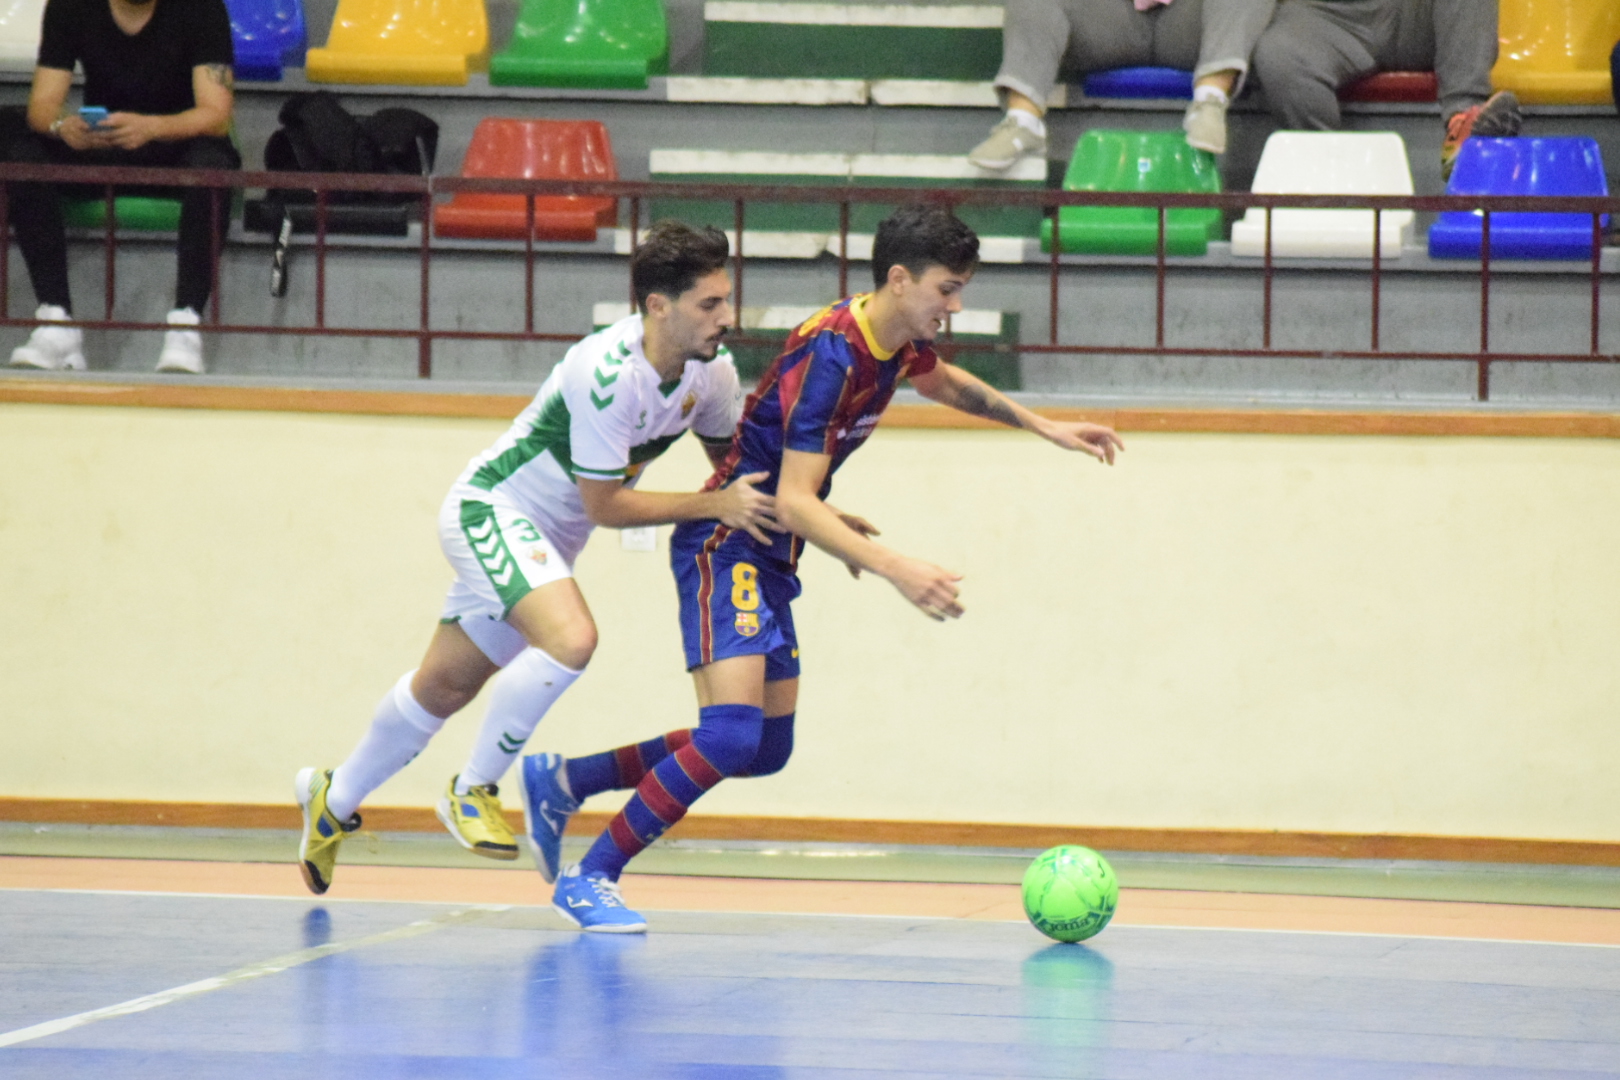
x,y
857,307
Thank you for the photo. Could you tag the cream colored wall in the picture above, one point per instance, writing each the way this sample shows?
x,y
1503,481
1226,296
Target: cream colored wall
x,y
1318,633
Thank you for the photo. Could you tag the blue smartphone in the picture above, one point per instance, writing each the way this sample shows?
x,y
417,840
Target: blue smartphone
x,y
93,115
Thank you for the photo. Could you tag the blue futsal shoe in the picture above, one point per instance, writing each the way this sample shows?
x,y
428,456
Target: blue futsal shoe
x,y
546,810
593,903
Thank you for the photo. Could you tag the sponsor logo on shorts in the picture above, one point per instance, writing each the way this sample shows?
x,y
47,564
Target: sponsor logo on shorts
x,y
539,555
747,623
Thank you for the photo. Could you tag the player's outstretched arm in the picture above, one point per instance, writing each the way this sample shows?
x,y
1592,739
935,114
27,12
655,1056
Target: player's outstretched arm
x,y
798,507
961,390
609,503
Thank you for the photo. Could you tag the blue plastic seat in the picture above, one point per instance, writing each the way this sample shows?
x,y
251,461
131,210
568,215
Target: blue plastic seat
x,y
268,35
1140,82
1562,166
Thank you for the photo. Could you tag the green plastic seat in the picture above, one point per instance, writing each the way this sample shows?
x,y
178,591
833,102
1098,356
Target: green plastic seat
x,y
134,212
1156,161
597,44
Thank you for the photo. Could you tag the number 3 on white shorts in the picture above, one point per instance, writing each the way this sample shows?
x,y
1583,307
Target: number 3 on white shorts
x,y
744,587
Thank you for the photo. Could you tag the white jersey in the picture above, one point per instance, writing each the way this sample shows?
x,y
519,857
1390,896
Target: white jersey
x,y
601,414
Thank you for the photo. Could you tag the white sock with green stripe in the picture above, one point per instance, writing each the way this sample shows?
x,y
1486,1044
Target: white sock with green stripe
x,y
524,691
400,728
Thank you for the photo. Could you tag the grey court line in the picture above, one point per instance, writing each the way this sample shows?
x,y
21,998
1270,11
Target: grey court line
x,y
242,974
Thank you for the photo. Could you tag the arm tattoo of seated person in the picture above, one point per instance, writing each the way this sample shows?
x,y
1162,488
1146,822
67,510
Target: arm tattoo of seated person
x,y
221,74
977,401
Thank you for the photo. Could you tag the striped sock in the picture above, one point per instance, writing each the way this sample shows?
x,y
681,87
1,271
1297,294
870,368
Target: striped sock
x,y
615,770
723,744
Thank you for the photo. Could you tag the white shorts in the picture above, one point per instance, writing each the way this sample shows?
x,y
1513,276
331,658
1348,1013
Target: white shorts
x,y
499,555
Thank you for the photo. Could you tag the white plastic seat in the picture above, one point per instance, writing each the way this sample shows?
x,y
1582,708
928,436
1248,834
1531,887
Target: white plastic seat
x,y
1328,163
19,33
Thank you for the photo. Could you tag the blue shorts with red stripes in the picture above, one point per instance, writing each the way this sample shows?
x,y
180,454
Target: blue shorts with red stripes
x,y
735,599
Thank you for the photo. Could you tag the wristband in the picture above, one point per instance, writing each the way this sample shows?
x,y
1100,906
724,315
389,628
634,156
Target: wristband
x,y
56,126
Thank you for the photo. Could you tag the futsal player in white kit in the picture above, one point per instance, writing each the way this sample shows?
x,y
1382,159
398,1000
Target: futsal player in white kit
x,y
518,516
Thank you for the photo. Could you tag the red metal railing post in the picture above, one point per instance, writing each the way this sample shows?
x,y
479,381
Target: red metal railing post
x,y
424,343
1266,316
843,249
635,221
1597,279
111,222
215,247
528,263
5,252
1052,272
1158,313
737,260
1377,273
320,258
1483,381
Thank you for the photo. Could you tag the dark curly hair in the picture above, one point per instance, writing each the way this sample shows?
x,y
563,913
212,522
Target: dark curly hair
x,y
671,258
920,235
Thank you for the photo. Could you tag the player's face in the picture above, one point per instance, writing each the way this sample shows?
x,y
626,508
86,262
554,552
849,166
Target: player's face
x,y
926,301
700,317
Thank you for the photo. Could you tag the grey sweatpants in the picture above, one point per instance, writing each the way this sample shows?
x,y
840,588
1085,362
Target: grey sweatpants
x,y
1041,38
1314,47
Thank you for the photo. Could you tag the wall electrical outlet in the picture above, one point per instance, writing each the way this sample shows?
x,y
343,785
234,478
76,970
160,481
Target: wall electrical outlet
x,y
642,539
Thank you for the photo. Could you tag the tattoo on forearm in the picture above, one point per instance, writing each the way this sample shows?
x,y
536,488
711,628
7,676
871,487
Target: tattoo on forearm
x,y
981,401
221,74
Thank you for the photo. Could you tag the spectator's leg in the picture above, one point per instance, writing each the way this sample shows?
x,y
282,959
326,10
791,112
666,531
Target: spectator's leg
x,y
195,255
35,210
1463,33
1614,75
1034,38
1308,52
1228,32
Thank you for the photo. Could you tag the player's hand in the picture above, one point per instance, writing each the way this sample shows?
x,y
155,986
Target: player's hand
x,y
860,525
79,135
931,588
127,130
1094,439
743,507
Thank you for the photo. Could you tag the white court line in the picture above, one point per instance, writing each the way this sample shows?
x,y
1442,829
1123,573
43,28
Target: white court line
x,y
240,975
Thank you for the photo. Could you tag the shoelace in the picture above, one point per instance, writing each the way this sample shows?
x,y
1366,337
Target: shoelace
x,y
607,891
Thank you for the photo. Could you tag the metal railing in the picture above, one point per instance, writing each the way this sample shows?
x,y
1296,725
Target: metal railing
x,y
423,190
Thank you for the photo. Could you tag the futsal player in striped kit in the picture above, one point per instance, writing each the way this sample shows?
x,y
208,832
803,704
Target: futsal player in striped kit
x,y
816,405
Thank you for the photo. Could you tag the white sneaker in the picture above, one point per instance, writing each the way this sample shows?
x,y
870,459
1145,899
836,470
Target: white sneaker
x,y
182,349
1008,141
1205,125
51,348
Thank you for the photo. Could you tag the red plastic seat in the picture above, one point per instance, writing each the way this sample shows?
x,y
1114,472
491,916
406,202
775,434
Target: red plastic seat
x,y
533,150
1419,86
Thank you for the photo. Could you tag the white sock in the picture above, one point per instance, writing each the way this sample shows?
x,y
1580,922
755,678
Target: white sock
x,y
1211,93
400,728
1028,120
523,693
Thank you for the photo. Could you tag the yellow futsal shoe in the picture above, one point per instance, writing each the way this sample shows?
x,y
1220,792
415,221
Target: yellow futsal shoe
x,y
323,833
476,821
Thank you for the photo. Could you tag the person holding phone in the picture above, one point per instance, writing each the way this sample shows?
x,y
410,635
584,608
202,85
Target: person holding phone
x,y
157,94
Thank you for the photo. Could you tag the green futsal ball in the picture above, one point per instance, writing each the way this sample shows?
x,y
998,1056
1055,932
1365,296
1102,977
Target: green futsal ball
x,y
1070,893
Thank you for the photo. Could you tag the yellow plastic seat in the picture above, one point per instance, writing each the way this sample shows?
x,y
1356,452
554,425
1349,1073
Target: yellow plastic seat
x,y
408,42
1556,52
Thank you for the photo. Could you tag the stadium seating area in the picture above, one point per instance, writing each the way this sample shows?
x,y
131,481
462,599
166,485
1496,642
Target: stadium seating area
x,y
791,53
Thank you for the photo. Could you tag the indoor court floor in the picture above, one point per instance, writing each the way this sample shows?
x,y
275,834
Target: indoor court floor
x,y
171,968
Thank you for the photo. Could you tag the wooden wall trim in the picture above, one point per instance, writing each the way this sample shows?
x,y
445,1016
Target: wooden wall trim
x,y
839,830
180,395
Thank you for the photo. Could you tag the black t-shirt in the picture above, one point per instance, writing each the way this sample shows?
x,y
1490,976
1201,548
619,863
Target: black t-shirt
x,y
148,72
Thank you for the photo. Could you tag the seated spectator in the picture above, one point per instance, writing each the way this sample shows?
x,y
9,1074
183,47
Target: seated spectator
x,y
162,70
1315,48
1041,38
1614,75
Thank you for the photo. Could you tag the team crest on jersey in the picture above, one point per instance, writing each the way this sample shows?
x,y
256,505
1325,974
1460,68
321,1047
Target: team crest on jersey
x,y
539,555
688,404
747,623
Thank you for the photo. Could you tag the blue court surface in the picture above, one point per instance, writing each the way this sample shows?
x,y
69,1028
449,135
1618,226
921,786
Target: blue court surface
x,y
153,985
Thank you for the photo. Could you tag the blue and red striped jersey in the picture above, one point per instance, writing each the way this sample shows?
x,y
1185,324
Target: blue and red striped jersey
x,y
823,395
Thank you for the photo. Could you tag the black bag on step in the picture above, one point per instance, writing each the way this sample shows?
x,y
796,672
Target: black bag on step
x,y
318,134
